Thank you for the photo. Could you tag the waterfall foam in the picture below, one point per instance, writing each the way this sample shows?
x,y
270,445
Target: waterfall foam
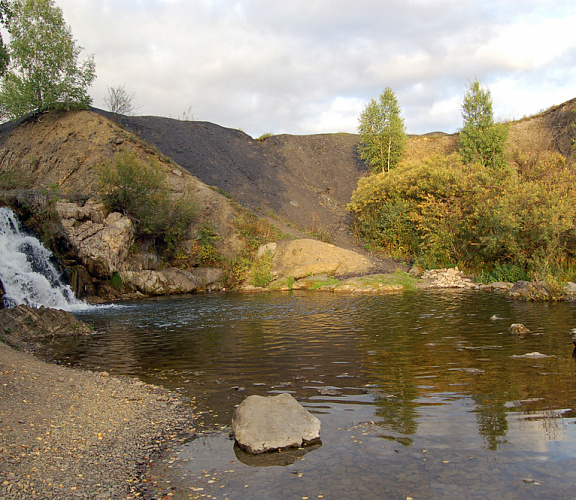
x,y
26,270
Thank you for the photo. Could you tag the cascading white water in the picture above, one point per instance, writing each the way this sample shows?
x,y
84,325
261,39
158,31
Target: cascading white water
x,y
26,272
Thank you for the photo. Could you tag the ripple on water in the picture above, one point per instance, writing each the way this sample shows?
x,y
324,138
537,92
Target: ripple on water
x,y
419,394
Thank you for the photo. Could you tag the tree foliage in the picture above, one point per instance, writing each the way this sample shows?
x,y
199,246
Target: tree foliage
x,y
4,56
382,132
139,189
481,139
441,212
44,71
118,100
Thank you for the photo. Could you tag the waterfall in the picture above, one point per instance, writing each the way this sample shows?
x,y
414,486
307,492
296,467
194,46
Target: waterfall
x,y
26,270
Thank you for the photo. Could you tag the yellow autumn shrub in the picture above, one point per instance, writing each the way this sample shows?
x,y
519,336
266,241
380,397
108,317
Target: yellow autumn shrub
x,y
439,212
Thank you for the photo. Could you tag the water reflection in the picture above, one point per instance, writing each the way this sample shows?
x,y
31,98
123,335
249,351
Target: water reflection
x,y
388,376
274,459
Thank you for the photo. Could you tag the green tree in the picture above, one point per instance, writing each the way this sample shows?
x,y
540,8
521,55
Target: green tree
x,y
44,70
4,56
382,132
481,139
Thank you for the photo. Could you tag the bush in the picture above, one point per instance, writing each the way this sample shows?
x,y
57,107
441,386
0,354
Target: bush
x,y
262,270
139,190
440,212
208,255
507,272
116,281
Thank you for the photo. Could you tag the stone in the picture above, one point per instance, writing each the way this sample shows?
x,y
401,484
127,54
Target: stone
x,y
448,278
101,243
306,257
518,329
163,282
263,249
529,290
496,285
416,272
262,424
209,276
23,326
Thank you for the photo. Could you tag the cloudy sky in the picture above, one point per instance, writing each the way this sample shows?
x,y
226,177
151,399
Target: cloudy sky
x,y
310,66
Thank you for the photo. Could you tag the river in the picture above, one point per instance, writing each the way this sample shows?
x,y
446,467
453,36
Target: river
x,y
420,394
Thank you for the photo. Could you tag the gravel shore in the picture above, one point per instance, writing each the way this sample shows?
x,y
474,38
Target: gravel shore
x,y
68,433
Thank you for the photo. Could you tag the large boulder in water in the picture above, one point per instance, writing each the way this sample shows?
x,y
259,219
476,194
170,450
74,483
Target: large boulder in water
x,y
263,424
529,290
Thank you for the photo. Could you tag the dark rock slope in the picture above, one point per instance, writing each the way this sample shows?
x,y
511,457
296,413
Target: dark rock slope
x,y
306,181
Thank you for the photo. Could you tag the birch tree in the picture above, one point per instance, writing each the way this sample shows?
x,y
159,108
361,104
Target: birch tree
x,y
382,132
44,70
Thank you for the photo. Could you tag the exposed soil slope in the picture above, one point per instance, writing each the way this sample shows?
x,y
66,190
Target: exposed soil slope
x,y
308,180
304,180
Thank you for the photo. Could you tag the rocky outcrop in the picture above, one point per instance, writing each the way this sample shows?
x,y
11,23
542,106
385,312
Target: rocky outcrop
x,y
163,282
23,326
100,241
304,257
529,290
210,277
263,424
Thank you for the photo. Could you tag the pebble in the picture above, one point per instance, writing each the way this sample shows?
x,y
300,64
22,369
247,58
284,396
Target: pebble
x,y
90,437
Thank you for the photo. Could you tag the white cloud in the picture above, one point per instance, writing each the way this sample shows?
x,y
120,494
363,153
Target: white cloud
x,y
307,67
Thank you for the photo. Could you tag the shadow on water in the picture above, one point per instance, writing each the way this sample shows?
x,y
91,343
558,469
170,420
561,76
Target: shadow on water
x,y
421,394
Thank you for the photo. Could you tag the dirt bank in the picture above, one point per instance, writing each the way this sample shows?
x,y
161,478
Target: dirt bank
x,y
67,433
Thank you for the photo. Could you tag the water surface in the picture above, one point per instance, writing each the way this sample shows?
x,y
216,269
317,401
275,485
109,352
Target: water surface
x,y
420,394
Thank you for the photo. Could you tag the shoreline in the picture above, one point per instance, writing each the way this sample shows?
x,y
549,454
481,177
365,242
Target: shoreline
x,y
67,433
72,433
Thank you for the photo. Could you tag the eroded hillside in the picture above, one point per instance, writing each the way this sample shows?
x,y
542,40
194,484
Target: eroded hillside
x,y
307,181
301,183
304,181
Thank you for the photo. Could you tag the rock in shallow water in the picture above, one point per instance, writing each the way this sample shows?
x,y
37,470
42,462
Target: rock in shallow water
x,y
518,329
263,424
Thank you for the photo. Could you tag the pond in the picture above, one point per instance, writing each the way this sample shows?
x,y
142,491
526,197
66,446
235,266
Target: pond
x,y
420,394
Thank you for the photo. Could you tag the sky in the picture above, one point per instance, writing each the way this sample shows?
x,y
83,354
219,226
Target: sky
x,y
311,66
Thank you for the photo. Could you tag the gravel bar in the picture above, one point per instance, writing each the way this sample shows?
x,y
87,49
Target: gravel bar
x,y
67,433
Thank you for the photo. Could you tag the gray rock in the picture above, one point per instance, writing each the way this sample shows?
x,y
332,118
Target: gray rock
x,y
101,243
163,282
209,276
529,290
500,285
263,424
416,272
